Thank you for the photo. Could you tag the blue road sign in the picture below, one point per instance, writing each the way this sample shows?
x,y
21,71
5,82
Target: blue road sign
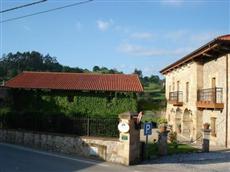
x,y
148,128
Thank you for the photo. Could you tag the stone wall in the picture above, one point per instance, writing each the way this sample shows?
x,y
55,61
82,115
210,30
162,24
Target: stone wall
x,y
228,100
199,75
216,69
111,150
186,73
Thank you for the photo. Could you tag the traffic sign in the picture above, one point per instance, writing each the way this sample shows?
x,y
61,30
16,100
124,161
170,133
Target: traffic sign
x,y
148,128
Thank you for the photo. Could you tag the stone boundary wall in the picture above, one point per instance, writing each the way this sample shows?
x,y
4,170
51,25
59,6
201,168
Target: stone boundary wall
x,y
111,150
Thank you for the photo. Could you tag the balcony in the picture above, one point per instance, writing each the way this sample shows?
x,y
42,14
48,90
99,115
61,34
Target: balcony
x,y
176,98
211,98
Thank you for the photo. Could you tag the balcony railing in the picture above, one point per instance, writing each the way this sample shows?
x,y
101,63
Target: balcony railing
x,y
176,98
211,98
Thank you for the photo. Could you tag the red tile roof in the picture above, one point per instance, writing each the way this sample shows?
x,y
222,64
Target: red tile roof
x,y
212,44
224,37
76,81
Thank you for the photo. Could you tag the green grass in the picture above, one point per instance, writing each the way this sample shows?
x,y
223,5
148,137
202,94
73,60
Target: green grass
x,y
152,86
181,148
152,99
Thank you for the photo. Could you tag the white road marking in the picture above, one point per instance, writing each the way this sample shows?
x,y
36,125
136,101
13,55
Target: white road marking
x,y
55,155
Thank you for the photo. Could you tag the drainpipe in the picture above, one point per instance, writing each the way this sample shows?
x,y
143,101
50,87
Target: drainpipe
x,y
226,137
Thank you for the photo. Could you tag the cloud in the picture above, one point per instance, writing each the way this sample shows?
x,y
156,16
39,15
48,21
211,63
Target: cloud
x,y
138,50
142,35
191,38
174,43
122,29
203,37
172,2
104,25
177,35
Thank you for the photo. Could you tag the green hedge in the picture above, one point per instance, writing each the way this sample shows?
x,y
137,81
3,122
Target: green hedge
x,y
87,104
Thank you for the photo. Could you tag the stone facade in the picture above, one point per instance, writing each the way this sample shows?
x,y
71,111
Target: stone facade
x,y
183,75
187,118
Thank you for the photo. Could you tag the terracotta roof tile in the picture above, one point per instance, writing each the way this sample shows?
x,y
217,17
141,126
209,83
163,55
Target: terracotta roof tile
x,y
224,37
76,81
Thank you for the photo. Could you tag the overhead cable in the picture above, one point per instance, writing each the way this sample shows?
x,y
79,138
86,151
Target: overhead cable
x,y
22,6
46,11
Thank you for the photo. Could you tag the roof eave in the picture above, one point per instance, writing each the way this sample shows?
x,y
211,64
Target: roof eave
x,y
194,54
128,91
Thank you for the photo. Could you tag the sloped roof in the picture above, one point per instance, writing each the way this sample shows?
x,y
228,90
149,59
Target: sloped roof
x,y
215,43
76,81
224,37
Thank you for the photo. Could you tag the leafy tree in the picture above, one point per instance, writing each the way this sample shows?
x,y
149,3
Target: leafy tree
x,y
154,78
96,68
138,72
105,70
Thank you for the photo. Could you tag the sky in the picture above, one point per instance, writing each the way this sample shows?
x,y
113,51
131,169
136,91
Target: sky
x,y
122,34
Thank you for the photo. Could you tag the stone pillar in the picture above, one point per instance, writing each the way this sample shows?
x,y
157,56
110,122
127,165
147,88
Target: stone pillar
x,y
162,140
206,137
199,126
130,138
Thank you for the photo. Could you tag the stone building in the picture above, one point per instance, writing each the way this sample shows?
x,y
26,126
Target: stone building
x,y
197,91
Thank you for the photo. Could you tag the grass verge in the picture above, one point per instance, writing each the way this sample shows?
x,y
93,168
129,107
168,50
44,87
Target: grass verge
x,y
172,149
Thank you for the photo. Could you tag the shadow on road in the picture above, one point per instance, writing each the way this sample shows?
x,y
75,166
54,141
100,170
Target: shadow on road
x,y
15,158
192,158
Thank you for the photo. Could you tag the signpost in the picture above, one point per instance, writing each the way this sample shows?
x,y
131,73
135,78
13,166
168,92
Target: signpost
x,y
148,128
147,131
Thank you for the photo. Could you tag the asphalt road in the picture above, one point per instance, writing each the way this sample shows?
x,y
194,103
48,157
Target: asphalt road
x,y
19,159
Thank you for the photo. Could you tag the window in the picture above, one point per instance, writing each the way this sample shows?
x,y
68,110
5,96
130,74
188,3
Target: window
x,y
187,91
173,86
170,88
213,126
213,82
178,85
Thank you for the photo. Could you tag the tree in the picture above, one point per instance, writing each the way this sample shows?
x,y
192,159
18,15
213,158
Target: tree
x,y
138,72
96,68
154,78
13,64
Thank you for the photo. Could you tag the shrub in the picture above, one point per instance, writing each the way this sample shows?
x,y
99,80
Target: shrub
x,y
157,120
88,104
172,137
